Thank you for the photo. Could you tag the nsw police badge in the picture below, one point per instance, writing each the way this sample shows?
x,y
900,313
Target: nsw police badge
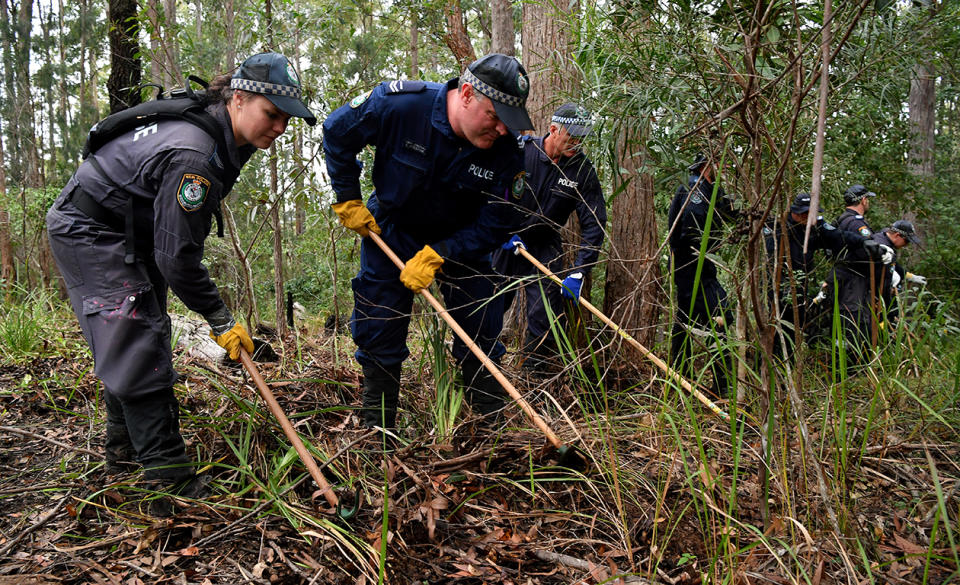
x,y
192,191
355,102
516,189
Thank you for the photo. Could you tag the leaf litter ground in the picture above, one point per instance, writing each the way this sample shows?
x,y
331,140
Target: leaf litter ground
x,y
477,508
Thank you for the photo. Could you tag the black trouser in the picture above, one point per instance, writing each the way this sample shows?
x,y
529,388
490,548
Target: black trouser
x,y
707,305
122,313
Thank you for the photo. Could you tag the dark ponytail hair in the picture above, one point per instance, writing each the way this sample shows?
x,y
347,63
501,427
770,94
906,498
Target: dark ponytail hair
x,y
219,90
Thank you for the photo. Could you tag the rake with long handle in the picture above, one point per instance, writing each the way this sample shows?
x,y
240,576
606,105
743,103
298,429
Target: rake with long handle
x,y
673,374
291,433
564,451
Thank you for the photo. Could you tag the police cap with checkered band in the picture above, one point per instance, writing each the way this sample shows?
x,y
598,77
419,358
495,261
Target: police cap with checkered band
x,y
504,80
273,76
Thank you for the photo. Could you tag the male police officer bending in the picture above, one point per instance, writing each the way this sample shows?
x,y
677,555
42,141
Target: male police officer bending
x,y
447,174
560,180
131,222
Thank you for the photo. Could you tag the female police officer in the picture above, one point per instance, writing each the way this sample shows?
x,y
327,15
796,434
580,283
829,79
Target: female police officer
x,y
130,223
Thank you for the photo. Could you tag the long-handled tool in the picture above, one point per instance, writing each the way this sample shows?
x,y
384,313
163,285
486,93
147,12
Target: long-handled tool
x,y
291,433
564,452
673,374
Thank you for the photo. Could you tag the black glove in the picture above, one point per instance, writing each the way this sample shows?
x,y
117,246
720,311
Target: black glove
x,y
872,248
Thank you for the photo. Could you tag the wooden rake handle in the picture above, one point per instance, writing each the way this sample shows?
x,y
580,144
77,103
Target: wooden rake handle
x,y
486,361
289,431
673,374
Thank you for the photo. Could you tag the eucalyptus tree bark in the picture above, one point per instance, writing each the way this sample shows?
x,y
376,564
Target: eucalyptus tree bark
x,y
821,120
51,152
456,36
414,43
18,25
6,251
922,106
63,119
503,34
633,294
156,62
300,197
10,89
546,40
230,32
171,51
124,61
277,198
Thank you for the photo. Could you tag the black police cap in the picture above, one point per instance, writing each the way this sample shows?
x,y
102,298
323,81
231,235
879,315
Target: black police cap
x,y
575,119
905,229
855,193
801,203
273,76
504,80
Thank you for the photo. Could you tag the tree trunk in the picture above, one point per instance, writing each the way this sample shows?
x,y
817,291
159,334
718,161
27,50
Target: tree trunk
x,y
632,292
922,121
171,54
7,272
277,198
414,43
503,35
229,18
546,49
124,61
156,62
456,37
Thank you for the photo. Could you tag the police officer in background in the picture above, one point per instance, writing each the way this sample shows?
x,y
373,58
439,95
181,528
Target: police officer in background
x,y
706,307
784,243
447,175
897,236
857,198
560,180
130,223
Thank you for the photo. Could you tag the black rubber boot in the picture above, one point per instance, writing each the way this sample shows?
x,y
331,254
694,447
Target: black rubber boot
x,y
484,393
121,457
381,391
153,422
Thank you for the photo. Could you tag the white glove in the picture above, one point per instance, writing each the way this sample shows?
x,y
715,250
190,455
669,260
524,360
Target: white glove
x,y
916,279
820,297
886,254
895,280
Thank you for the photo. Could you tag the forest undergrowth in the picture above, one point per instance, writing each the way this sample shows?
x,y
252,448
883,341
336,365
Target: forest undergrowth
x,y
847,475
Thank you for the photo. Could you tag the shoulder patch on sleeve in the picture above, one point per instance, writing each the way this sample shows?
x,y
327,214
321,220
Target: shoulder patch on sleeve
x,y
355,102
864,231
518,184
767,231
404,86
192,191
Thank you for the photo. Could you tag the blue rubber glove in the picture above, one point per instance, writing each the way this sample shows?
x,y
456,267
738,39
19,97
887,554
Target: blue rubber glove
x,y
571,286
514,244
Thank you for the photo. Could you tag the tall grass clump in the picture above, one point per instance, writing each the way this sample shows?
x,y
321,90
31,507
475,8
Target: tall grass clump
x,y
27,325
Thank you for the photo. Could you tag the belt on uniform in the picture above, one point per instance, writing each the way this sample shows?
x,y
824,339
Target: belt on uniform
x,y
97,212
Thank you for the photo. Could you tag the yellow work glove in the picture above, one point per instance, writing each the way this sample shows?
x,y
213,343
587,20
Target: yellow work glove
x,y
421,269
233,339
354,215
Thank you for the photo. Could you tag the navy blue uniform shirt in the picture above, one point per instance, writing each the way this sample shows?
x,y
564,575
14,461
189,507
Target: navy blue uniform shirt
x,y
688,231
553,191
428,182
